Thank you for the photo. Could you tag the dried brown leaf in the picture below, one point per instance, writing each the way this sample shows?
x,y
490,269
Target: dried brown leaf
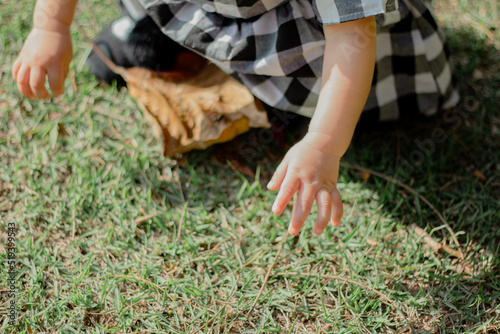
x,y
195,107
480,175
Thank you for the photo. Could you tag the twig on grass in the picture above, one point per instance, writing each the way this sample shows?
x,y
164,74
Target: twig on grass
x,y
436,246
459,252
267,275
140,220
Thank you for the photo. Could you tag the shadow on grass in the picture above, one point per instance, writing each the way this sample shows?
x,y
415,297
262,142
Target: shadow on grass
x,y
459,173
452,159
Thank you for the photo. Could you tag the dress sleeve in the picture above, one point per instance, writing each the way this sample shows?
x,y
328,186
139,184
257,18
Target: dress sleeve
x,y
338,11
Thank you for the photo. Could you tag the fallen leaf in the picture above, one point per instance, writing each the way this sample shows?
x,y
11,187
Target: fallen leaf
x,y
480,175
195,106
365,176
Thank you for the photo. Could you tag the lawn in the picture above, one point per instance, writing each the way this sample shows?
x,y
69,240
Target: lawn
x,y
112,237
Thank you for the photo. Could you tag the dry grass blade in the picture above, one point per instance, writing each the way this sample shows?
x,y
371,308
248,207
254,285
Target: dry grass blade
x,y
181,221
220,310
268,274
458,253
480,27
149,283
436,246
209,251
384,299
143,219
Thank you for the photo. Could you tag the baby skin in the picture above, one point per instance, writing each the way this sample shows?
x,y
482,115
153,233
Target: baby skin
x,y
310,168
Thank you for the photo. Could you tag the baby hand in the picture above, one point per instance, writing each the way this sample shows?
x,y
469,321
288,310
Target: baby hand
x,y
44,54
312,170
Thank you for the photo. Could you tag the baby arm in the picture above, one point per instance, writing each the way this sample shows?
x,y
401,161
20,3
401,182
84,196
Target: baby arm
x,y
311,166
47,51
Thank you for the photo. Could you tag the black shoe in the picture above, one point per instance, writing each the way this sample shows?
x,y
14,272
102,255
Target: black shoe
x,y
133,44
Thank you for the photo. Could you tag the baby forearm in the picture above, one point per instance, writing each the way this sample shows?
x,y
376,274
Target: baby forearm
x,y
347,75
54,15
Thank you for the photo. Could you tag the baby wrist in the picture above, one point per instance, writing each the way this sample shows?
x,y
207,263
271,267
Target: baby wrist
x,y
326,142
42,22
52,25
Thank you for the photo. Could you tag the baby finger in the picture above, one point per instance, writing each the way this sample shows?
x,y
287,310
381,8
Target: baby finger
x,y
278,176
289,187
56,81
337,208
301,209
324,203
23,81
37,83
15,68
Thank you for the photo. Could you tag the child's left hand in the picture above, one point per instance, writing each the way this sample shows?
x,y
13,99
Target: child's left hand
x,y
312,170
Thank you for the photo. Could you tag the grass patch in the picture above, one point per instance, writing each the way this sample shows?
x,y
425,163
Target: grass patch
x,y
114,238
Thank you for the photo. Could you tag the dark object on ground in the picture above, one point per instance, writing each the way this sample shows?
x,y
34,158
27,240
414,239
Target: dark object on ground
x,y
133,44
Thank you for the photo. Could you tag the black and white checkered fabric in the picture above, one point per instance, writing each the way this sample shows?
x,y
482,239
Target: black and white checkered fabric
x,y
276,48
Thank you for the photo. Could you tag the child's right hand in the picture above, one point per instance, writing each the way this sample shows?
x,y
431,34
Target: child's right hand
x,y
44,54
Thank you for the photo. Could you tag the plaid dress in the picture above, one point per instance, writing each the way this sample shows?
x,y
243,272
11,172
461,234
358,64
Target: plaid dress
x,y
275,48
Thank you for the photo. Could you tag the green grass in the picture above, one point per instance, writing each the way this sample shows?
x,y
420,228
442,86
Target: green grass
x,y
77,173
